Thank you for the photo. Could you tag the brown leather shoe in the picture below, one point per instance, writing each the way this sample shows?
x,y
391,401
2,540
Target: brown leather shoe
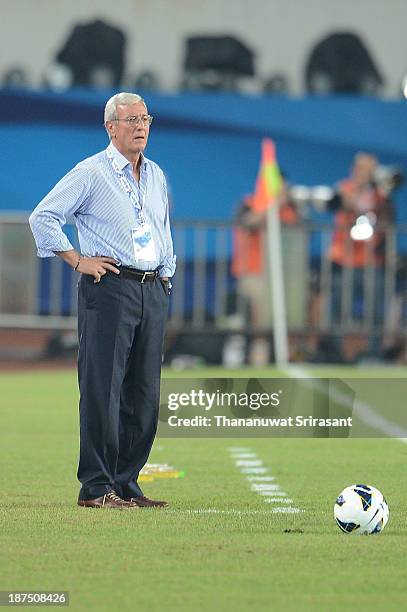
x,y
145,502
110,500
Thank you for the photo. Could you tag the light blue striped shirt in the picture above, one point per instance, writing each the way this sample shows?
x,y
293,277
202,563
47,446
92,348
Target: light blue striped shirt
x,y
105,214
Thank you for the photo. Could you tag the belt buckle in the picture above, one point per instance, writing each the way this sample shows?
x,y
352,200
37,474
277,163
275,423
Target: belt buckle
x,y
144,277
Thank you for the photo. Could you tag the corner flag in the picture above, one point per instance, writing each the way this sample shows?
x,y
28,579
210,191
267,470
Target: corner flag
x,y
268,189
269,181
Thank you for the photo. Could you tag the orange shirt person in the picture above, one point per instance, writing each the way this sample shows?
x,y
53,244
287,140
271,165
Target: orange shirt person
x,y
357,196
248,235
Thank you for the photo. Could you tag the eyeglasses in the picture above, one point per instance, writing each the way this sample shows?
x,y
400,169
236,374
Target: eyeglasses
x,y
133,121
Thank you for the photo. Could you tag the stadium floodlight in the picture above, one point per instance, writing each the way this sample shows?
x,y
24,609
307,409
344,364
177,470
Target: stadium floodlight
x,y
276,84
58,77
341,63
15,77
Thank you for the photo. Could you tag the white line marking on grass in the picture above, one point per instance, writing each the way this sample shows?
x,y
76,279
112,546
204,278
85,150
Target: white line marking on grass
x,y
206,511
363,411
265,487
255,470
287,510
244,455
260,478
270,493
271,500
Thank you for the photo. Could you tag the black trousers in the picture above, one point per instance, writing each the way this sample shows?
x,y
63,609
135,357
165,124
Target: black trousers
x,y
121,324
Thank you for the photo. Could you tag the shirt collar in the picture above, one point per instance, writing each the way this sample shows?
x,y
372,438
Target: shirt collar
x,y
121,160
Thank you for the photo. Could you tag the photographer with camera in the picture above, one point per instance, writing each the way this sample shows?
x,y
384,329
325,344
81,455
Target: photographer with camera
x,y
362,207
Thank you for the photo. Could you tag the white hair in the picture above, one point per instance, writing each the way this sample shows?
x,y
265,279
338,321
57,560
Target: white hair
x,y
121,98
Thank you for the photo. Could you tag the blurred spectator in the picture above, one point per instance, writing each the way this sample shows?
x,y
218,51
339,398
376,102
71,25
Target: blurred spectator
x,y
357,249
248,267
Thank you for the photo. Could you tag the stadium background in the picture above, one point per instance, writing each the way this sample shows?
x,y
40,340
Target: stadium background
x,y
220,545
208,143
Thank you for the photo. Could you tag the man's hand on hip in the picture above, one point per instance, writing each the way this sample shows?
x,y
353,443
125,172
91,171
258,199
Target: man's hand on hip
x,y
97,266
94,266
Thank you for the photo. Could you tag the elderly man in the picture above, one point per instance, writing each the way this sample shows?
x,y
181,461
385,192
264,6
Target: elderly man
x,y
119,201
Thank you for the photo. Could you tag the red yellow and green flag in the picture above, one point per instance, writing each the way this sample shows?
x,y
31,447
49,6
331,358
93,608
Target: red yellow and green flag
x,y
269,181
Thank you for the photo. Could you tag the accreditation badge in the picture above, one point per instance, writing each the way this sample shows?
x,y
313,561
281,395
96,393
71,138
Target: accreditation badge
x,y
143,244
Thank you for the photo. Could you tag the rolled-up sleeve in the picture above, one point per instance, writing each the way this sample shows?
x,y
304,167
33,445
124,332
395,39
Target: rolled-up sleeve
x,y
169,262
48,218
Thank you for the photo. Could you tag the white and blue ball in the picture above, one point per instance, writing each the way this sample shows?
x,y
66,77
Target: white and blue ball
x,y
361,509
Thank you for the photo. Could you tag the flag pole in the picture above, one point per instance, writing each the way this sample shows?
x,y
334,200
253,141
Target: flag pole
x,y
266,199
275,267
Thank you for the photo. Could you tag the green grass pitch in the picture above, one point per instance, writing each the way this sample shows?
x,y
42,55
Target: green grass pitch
x,y
219,546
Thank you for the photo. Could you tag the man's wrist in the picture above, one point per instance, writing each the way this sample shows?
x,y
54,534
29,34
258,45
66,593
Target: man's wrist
x,y
71,257
78,262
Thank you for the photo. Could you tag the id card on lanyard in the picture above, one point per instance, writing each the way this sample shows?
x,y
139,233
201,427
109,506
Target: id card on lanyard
x,y
143,243
141,236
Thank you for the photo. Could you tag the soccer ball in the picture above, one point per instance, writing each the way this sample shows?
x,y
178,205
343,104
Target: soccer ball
x,y
361,509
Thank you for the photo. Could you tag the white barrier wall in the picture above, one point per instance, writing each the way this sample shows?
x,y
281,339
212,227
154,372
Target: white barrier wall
x,y
280,31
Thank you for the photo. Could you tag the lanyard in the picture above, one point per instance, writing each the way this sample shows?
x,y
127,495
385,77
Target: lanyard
x,y
127,188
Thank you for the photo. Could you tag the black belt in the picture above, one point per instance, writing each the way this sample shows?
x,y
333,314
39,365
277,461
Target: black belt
x,y
139,275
